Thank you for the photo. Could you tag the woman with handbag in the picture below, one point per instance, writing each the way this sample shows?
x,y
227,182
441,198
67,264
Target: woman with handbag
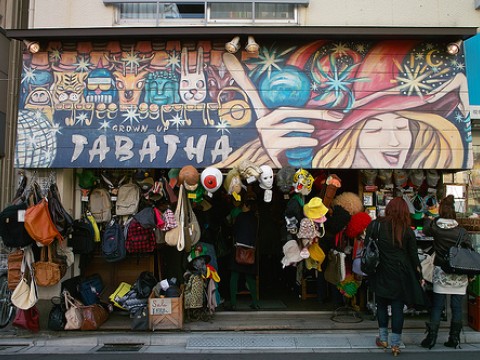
x,y
398,277
446,231
245,236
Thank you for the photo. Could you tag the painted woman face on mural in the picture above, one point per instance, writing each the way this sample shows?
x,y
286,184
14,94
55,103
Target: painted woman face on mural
x,y
385,141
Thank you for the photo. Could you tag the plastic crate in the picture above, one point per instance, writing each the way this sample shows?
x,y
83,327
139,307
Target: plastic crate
x,y
474,286
474,312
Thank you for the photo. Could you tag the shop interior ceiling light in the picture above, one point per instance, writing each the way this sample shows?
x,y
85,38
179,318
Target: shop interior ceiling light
x,y
233,46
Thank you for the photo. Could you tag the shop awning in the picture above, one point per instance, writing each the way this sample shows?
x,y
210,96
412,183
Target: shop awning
x,y
324,32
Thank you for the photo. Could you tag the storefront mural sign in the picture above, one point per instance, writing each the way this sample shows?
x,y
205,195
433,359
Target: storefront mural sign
x,y
322,104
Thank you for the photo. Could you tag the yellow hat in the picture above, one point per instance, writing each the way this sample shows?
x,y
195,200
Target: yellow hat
x,y
316,253
315,208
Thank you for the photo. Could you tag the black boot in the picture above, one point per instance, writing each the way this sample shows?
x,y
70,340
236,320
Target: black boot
x,y
454,335
432,333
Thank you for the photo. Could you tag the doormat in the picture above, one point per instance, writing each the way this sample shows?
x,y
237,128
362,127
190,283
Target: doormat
x,y
265,305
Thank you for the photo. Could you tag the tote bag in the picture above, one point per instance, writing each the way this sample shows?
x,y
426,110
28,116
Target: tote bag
x,y
176,236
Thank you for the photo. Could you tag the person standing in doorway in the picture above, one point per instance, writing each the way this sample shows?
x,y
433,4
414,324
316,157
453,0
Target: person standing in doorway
x,y
245,228
397,281
446,231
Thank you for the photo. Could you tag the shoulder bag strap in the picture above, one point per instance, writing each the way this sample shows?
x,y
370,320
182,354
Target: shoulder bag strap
x,y
181,219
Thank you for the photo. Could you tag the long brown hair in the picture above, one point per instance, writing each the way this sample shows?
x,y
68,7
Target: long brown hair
x,y
446,209
398,215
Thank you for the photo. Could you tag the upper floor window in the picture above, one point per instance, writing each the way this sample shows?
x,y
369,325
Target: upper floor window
x,y
207,11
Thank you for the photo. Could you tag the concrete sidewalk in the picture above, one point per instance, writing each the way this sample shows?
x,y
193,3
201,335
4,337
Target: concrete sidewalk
x,y
216,342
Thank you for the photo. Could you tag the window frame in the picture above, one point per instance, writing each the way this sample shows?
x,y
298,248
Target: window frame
x,y
207,18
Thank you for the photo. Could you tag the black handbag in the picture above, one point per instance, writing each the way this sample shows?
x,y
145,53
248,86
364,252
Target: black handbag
x,y
462,260
56,317
61,218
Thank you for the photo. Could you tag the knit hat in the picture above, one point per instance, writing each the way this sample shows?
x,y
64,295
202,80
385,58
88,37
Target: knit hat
x,y
357,224
146,184
284,179
291,253
87,179
350,202
189,177
315,209
307,229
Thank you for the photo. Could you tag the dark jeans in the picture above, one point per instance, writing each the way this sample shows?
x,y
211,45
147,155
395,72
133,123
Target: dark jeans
x,y
439,305
397,313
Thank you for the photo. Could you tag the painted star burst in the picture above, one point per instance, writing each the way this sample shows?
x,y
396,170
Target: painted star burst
x,y
28,74
104,125
336,81
131,60
222,127
83,64
267,60
131,115
173,60
177,121
81,118
55,55
418,79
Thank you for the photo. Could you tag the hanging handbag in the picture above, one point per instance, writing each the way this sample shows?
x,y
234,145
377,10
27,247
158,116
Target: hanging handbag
x,y
15,260
462,260
61,218
46,272
93,316
244,254
56,316
39,224
176,236
25,294
192,230
73,314
27,319
370,257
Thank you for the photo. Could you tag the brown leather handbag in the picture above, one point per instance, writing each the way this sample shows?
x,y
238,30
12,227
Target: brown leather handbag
x,y
93,316
47,272
15,260
39,224
244,254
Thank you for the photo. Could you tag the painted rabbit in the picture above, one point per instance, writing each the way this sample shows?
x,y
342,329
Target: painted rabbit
x,y
193,85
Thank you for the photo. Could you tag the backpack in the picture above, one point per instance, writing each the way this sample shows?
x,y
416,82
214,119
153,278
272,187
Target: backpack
x,y
82,238
128,198
113,242
139,239
100,205
144,284
370,257
12,231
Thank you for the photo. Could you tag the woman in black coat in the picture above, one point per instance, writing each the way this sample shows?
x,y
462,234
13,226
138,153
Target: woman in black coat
x,y
245,232
398,278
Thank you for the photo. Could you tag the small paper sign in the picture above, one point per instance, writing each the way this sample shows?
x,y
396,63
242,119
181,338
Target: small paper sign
x,y
21,215
160,306
192,195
